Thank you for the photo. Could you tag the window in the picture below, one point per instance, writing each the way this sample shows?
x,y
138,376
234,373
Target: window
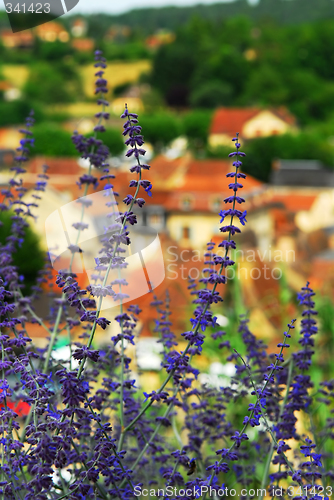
x,y
156,221
186,233
215,204
187,202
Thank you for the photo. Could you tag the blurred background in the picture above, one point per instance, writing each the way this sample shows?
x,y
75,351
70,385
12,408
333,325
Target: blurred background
x,y
197,74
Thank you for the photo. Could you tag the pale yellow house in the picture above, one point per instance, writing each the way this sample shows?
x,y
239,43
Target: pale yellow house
x,y
250,123
191,193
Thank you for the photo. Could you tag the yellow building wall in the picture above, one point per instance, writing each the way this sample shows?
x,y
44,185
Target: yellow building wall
x,y
263,124
267,124
201,227
216,140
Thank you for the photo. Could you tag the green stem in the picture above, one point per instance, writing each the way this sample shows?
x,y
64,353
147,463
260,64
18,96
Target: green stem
x,y
271,451
53,339
257,400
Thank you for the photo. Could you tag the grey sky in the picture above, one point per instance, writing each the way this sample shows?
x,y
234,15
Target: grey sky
x,y
118,6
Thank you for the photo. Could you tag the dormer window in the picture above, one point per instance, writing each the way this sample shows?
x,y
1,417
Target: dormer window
x,y
215,204
187,202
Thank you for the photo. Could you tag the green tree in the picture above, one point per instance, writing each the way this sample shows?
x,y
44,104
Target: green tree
x,y
310,97
53,51
173,67
262,151
53,83
28,268
196,127
160,129
211,94
15,112
266,86
112,138
52,140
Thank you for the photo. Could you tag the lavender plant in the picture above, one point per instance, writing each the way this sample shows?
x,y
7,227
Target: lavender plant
x,y
91,430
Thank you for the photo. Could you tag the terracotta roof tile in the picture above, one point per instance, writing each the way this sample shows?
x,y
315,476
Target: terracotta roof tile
x,y
231,120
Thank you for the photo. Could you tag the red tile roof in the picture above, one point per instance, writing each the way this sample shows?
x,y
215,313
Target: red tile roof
x,y
210,176
201,180
293,202
231,120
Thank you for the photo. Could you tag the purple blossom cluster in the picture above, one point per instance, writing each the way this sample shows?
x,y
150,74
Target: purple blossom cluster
x,y
91,430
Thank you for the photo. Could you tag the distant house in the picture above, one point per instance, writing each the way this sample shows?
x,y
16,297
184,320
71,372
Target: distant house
x,y
6,158
22,40
52,32
9,138
250,123
161,38
117,32
79,28
301,173
185,201
83,44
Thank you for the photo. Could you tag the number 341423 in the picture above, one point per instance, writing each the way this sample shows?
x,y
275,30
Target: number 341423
x,y
32,8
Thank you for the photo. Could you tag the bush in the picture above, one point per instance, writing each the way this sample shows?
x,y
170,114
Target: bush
x,y
196,127
211,94
59,145
263,151
28,268
112,138
53,83
160,129
15,112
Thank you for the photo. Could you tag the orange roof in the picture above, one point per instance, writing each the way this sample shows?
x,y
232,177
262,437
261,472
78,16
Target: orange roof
x,y
26,34
293,202
162,168
4,85
83,44
57,166
204,181
231,120
50,26
23,38
210,176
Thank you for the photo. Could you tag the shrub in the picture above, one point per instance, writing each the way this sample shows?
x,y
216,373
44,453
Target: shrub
x,y
60,145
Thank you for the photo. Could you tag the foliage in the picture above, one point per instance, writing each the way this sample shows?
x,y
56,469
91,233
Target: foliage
x,y
14,112
241,63
60,145
262,152
53,83
130,51
151,19
52,51
173,66
211,94
113,140
161,129
196,126
28,269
